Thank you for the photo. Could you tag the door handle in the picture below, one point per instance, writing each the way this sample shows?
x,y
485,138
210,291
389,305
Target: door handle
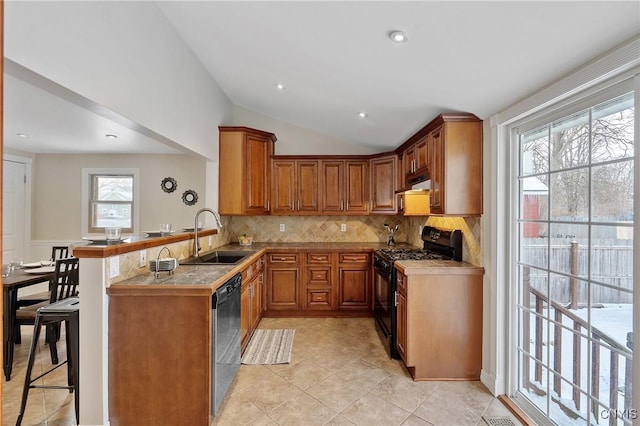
x,y
395,299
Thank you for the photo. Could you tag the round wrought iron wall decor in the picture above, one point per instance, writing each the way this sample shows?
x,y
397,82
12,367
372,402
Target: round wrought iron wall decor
x,y
189,197
169,184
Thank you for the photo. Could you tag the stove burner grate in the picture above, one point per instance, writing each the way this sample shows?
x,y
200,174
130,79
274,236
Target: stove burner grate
x,y
410,254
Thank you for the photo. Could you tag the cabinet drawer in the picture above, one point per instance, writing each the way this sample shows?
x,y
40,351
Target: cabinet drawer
x,y
319,258
319,298
283,258
319,275
251,271
354,258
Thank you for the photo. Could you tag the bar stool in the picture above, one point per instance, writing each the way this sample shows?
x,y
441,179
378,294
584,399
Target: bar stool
x,y
67,310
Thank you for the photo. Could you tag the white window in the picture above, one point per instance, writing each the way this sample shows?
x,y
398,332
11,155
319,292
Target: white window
x,y
575,261
110,197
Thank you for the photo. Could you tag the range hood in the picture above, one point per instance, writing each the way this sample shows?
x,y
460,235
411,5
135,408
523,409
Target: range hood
x,y
420,180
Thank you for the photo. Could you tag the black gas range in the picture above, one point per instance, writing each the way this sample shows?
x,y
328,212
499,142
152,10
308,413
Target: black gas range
x,y
438,244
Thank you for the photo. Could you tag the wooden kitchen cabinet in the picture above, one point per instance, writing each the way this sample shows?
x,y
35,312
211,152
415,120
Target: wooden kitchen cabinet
x,y
345,187
383,184
416,156
453,143
319,288
250,301
245,173
439,323
401,312
456,168
160,356
354,281
295,186
283,281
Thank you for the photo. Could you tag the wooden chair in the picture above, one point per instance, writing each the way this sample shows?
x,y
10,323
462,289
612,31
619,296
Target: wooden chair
x,y
63,285
57,252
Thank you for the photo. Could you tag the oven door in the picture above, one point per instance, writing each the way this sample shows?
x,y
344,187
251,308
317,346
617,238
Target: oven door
x,y
384,307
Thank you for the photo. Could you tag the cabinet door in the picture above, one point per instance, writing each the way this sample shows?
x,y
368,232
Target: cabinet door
x,y
401,324
283,288
409,159
257,173
333,186
245,314
436,196
354,287
357,187
256,303
307,186
283,187
354,283
422,153
383,179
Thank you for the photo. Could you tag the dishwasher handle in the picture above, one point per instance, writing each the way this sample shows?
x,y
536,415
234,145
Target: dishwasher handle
x,y
226,290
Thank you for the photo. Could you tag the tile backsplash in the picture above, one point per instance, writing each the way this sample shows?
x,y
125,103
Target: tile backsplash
x,y
358,228
368,229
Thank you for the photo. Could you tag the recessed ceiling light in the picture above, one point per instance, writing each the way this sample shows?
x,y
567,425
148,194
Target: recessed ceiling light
x,y
279,86
111,136
362,114
22,135
398,36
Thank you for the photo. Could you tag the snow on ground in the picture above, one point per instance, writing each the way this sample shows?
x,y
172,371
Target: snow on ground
x,y
615,320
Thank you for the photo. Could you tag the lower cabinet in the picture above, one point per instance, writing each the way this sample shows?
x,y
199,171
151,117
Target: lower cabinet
x,y
283,281
160,356
354,281
319,283
251,300
440,315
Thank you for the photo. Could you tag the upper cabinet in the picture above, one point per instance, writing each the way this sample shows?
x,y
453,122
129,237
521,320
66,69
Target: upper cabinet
x,y
345,186
456,169
451,146
383,171
294,188
245,171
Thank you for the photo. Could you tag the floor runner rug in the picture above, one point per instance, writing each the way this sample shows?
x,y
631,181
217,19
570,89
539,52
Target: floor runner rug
x,y
269,346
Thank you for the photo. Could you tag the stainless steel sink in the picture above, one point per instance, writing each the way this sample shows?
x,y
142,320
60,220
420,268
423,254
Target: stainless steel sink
x,y
218,257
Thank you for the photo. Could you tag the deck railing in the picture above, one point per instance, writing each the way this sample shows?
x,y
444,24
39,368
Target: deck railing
x,y
598,339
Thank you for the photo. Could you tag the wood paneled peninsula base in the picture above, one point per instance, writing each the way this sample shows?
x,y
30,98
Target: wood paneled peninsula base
x,y
439,327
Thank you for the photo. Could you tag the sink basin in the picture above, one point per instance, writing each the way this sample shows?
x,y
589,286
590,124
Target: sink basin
x,y
218,257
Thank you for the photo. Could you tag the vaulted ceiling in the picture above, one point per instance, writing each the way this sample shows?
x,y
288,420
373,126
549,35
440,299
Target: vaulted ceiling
x,y
335,60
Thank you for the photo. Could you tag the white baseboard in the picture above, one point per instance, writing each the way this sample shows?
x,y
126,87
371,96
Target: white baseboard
x,y
495,384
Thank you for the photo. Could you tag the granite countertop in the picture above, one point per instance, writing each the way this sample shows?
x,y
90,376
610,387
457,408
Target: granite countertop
x,y
209,277
449,267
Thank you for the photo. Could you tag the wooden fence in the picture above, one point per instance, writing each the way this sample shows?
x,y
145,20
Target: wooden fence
x,y
611,264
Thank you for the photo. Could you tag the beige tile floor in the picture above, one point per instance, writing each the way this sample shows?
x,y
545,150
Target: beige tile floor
x,y
339,375
45,407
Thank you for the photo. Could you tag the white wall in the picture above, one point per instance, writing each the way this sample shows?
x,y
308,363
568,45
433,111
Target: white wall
x,y
56,191
294,140
123,56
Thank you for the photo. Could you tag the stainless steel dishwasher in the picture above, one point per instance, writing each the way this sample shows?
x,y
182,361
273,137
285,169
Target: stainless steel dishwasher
x,y
226,339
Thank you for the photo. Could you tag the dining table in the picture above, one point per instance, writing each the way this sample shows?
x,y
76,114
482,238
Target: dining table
x,y
19,278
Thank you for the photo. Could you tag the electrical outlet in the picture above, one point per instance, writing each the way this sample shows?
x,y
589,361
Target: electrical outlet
x,y
210,241
143,258
420,230
343,227
282,228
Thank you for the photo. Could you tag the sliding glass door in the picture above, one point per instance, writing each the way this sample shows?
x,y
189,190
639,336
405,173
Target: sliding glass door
x,y
575,263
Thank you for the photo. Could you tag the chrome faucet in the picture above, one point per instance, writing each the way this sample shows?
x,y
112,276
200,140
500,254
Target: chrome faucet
x,y
196,243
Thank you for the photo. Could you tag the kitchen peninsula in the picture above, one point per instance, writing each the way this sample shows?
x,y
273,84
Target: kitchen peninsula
x,y
166,321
